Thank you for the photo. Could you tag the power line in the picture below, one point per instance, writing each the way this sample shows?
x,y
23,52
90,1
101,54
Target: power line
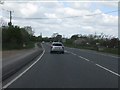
x,y
69,16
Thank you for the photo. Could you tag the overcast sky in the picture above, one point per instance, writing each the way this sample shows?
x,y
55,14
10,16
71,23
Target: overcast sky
x,y
52,16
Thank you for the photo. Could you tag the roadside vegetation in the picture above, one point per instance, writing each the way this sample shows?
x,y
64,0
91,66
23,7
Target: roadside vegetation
x,y
14,37
100,43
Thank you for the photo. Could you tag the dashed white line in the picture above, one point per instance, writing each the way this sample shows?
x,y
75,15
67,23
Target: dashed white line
x,y
67,51
97,65
84,58
8,84
108,70
79,56
73,53
99,53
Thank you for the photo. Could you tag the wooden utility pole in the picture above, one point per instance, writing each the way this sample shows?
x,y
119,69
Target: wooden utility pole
x,y
10,16
10,23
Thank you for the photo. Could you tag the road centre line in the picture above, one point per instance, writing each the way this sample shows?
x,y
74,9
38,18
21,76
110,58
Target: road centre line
x,y
98,65
79,56
67,51
107,70
83,58
73,53
8,84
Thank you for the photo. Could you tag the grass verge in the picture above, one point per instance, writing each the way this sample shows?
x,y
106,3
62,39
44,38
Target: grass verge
x,y
114,51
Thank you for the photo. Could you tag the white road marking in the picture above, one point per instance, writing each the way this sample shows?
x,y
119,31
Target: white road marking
x,y
73,53
108,70
96,53
84,58
98,65
79,56
8,84
67,51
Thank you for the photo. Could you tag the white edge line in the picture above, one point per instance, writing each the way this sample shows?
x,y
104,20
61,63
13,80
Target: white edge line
x,y
108,70
5,86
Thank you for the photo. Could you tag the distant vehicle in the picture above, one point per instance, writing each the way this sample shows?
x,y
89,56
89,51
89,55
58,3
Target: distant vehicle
x,y
57,47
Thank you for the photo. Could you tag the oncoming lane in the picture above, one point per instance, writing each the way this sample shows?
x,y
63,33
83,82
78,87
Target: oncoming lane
x,y
107,61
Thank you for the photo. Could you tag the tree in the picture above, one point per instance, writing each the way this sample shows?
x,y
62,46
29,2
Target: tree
x,y
56,37
74,37
39,38
114,42
55,34
14,37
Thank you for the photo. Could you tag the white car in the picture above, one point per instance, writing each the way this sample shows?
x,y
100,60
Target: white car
x,y
57,47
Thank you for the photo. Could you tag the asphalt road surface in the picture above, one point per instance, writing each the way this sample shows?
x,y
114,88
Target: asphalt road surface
x,y
74,69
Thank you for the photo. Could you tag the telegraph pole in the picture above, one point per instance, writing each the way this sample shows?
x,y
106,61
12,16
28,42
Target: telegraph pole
x,y
10,23
10,16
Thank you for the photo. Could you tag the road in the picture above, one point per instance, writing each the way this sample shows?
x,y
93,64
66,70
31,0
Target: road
x,y
17,60
74,69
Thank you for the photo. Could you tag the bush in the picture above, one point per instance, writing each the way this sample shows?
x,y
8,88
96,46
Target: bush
x,y
13,37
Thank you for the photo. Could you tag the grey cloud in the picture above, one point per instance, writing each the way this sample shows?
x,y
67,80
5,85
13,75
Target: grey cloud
x,y
64,26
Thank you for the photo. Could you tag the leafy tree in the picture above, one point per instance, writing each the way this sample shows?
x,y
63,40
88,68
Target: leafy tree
x,y
14,37
74,37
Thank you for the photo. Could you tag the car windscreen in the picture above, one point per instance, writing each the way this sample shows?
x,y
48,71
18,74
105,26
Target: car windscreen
x,y
57,44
